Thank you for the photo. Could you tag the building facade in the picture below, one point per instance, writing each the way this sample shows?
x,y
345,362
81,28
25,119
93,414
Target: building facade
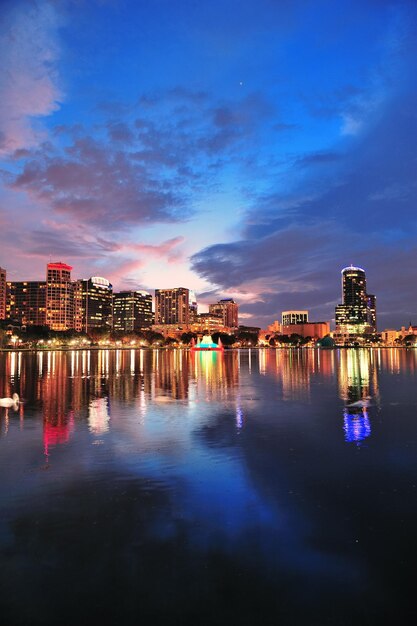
x,y
93,304
371,305
228,310
2,293
357,313
315,330
26,302
294,317
59,297
193,308
172,306
132,311
207,323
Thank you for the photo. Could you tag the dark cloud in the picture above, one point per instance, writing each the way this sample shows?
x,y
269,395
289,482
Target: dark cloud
x,y
295,244
137,170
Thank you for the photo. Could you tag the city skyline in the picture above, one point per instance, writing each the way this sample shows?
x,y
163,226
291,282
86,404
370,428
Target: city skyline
x,y
243,150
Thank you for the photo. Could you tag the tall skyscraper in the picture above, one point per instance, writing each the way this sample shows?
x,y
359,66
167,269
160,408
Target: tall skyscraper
x,y
172,306
2,293
26,302
132,311
294,317
357,313
93,304
371,310
228,310
193,306
59,296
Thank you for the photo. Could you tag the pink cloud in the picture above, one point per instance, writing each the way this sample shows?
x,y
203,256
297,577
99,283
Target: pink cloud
x,y
165,249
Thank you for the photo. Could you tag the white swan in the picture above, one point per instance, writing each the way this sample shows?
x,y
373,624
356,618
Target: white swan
x,y
360,404
8,402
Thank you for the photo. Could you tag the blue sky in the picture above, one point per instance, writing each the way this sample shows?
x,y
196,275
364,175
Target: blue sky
x,y
246,149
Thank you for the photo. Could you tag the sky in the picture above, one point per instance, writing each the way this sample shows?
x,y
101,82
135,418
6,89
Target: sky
x,y
240,148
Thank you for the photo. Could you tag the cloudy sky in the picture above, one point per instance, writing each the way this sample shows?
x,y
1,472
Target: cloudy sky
x,y
244,148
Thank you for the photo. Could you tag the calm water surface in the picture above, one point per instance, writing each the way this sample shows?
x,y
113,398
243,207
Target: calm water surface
x,y
148,487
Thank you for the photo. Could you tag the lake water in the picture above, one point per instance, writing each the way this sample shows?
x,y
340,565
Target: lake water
x,y
162,487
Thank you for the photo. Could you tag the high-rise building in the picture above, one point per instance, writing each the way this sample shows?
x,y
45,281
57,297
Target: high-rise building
x,y
26,302
193,306
59,297
371,310
93,304
77,294
132,311
2,293
172,306
228,310
294,317
357,313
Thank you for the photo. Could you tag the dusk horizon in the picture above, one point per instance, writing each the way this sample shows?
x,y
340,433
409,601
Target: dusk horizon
x,y
241,150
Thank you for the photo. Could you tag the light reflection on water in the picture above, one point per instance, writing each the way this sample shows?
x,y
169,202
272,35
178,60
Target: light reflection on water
x,y
247,469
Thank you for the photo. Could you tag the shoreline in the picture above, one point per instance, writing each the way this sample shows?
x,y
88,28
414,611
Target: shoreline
x,y
188,349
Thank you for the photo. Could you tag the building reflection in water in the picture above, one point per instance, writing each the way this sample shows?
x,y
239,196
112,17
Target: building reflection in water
x,y
215,374
292,369
81,386
358,388
357,425
98,416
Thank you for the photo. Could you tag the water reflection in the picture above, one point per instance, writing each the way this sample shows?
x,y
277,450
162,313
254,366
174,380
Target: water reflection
x,y
68,386
221,480
358,388
98,416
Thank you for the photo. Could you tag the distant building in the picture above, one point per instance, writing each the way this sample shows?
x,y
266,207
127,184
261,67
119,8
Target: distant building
x,y
193,308
132,311
59,297
26,302
357,313
172,306
250,329
228,309
315,330
171,330
371,307
93,304
294,317
2,293
207,322
389,336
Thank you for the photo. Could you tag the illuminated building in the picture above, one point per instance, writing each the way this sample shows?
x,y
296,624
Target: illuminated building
x,y
2,293
357,313
315,330
93,300
228,310
294,317
77,294
390,336
371,305
193,307
26,302
207,322
171,330
59,297
132,311
172,306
